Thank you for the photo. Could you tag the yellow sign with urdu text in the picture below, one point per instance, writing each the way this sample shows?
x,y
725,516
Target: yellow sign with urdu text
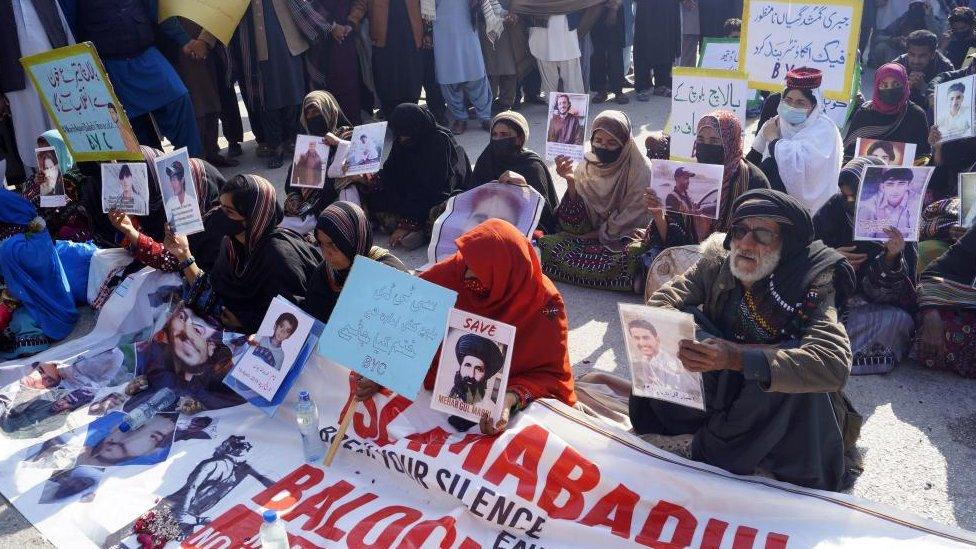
x,y
781,35
219,17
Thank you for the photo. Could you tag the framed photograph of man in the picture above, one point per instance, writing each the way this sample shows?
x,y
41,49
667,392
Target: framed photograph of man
x,y
366,149
472,373
125,186
520,206
967,199
274,348
566,128
890,197
954,108
49,179
179,191
652,336
309,164
892,153
688,188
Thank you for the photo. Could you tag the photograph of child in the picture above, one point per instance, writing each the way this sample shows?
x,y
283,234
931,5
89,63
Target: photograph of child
x,y
179,192
688,188
892,153
890,197
50,182
125,187
652,337
954,108
309,163
967,199
566,129
366,149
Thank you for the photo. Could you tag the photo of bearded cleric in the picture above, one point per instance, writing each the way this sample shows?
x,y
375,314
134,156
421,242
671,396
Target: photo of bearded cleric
x,y
187,356
472,373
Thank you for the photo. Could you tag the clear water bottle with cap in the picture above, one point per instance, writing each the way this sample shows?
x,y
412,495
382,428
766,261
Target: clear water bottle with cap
x,y
164,398
272,532
307,416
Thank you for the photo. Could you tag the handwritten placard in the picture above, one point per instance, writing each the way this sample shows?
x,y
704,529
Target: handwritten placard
x,y
697,92
219,17
779,35
387,326
79,97
719,53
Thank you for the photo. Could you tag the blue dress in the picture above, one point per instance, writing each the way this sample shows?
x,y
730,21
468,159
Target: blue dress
x,y
457,48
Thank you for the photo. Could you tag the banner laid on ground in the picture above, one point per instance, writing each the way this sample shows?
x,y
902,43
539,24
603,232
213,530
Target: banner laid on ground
x,y
403,477
780,35
78,96
697,92
219,17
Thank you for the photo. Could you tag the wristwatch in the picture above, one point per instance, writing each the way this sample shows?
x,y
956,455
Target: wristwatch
x,y
186,263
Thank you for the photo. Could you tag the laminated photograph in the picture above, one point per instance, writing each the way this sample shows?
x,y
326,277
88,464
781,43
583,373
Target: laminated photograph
x,y
967,199
309,164
688,188
892,153
472,373
566,129
125,187
49,179
954,108
179,192
366,149
652,336
890,197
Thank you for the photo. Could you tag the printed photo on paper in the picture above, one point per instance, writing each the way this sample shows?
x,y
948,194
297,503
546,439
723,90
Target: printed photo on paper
x,y
472,373
652,336
179,192
125,186
967,199
276,345
49,179
566,130
520,206
688,188
954,108
366,149
309,164
892,153
890,197
76,484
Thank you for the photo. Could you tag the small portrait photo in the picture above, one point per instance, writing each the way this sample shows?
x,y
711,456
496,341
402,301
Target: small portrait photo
x,y
890,197
472,373
50,183
954,108
310,161
688,188
967,199
274,348
179,192
77,483
652,336
892,153
195,428
520,206
366,148
125,186
566,130
104,405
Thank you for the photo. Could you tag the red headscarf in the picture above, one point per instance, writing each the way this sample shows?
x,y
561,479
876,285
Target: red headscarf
x,y
735,178
520,295
898,72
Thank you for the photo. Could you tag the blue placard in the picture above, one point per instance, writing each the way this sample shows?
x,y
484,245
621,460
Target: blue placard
x,y
387,326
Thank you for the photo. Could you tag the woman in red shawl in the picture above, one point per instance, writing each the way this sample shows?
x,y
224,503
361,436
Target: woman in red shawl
x,y
497,274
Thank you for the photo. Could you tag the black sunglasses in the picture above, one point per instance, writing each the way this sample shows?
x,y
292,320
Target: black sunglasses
x,y
761,235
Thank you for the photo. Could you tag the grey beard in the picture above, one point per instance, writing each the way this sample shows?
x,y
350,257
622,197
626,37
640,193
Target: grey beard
x,y
767,264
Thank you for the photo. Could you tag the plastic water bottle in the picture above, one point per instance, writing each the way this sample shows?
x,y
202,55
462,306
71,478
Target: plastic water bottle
x,y
307,416
164,398
272,532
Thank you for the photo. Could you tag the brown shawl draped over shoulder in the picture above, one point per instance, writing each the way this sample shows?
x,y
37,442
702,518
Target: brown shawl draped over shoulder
x,y
613,193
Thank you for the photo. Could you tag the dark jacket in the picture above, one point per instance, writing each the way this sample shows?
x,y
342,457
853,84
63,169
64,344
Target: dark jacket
x,y
12,77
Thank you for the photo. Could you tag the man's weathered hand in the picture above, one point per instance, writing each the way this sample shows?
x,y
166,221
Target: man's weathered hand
x,y
709,355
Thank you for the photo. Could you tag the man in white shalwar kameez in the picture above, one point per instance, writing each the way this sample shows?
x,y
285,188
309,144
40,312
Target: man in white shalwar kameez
x,y
801,147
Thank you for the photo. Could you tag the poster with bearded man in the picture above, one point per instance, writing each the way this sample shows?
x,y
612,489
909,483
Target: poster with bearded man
x,y
472,373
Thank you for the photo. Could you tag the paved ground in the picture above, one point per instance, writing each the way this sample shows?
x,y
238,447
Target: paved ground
x,y
919,439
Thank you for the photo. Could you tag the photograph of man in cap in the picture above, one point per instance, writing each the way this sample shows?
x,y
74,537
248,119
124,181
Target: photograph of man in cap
x,y
678,199
180,196
479,359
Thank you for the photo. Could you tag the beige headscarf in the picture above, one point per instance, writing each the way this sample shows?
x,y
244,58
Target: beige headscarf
x,y
613,193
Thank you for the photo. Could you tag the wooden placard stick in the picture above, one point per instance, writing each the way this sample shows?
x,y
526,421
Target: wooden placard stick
x,y
340,434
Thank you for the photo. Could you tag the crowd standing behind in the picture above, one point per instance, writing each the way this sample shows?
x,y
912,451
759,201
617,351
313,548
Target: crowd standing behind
x,y
787,302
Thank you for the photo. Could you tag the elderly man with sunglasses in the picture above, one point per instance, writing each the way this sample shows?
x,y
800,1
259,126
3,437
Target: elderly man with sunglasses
x,y
773,355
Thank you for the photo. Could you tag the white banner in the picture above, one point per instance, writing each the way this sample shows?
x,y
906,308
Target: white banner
x,y
780,35
406,478
697,92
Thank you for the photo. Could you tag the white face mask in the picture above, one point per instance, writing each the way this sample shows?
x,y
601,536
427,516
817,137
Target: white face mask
x,y
792,115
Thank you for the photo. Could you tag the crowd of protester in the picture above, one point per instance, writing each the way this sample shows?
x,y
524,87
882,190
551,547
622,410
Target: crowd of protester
x,y
788,305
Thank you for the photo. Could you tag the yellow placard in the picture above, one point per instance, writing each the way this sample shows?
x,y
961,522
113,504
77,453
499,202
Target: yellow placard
x,y
219,17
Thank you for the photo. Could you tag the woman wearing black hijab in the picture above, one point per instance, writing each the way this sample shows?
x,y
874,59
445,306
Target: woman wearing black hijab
x,y
426,164
258,260
342,232
506,152
877,316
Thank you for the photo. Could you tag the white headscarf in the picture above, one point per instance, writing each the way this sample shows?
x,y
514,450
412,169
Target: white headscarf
x,y
809,157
